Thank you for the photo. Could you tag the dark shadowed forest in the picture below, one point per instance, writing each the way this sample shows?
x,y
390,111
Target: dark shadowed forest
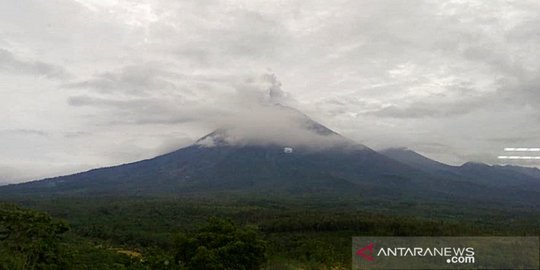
x,y
226,232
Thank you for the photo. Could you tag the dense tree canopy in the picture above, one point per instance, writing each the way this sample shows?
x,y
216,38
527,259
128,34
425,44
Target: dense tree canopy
x,y
29,239
225,233
221,244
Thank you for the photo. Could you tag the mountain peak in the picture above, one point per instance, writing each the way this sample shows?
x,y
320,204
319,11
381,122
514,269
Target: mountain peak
x,y
473,164
275,124
218,137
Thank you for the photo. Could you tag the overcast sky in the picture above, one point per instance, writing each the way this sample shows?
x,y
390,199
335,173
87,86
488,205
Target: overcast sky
x,y
89,83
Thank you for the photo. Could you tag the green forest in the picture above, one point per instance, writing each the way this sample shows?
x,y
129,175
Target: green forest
x,y
226,232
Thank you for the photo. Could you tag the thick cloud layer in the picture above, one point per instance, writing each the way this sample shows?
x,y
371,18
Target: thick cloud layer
x,y
95,83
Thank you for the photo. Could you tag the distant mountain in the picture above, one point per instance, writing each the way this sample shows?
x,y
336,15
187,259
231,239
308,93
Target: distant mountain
x,y
294,156
532,172
512,177
498,176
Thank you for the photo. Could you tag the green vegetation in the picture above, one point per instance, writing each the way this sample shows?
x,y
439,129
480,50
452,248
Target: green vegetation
x,y
29,239
225,232
221,245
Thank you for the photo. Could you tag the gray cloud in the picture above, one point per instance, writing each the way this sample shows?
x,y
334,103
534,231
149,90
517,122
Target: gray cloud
x,y
23,132
10,63
131,79
436,109
462,74
243,95
7,174
138,110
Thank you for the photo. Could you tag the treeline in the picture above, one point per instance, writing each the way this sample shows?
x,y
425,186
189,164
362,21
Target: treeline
x,y
29,239
33,240
366,224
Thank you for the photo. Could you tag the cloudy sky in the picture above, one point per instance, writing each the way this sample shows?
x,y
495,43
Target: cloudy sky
x,y
89,83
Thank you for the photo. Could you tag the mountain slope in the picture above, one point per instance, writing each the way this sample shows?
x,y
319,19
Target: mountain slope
x,y
199,168
532,172
297,156
510,177
413,159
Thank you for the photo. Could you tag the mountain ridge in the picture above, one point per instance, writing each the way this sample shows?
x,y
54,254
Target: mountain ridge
x,y
471,171
321,162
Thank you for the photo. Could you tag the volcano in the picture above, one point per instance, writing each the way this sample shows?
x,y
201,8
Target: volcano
x,y
297,156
